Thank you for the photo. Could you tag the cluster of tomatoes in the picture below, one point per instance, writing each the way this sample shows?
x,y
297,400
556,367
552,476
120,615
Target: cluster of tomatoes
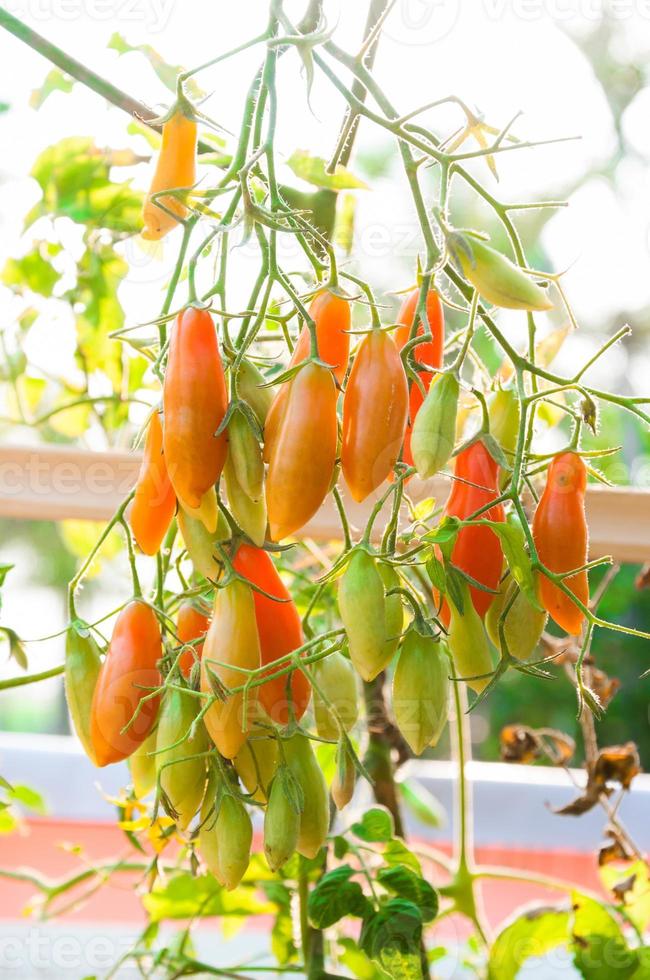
x,y
240,467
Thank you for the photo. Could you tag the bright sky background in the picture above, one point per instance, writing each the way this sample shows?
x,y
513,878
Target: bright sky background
x,y
499,61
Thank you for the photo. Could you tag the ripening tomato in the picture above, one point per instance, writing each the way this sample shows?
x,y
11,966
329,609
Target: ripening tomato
x,y
231,648
303,453
375,413
175,170
331,314
561,538
195,400
191,624
155,501
430,352
129,669
280,631
477,550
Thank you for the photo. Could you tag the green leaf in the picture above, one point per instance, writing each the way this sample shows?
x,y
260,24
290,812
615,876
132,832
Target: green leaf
x,y
74,176
358,963
34,272
445,533
642,971
29,798
534,932
55,81
341,847
312,169
397,853
422,804
392,937
336,896
282,937
513,542
16,647
376,826
600,951
5,568
436,573
411,886
167,74
185,897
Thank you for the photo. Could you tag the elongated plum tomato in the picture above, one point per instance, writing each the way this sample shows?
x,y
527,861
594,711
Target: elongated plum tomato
x,y
561,538
375,412
195,400
430,352
128,670
280,632
191,624
331,314
231,647
155,501
303,453
175,169
477,550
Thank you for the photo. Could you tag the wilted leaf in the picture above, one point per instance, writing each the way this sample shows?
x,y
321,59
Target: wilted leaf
x,y
599,946
630,884
618,764
522,744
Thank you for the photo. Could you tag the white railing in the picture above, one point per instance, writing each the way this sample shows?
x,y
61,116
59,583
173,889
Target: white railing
x,y
53,483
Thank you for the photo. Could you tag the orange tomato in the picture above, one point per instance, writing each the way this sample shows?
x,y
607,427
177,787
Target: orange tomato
x,y
331,314
561,537
129,667
430,352
375,412
477,550
175,169
280,632
155,501
303,453
195,400
191,623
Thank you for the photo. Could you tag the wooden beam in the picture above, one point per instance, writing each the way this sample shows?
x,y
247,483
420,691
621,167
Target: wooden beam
x,y
52,483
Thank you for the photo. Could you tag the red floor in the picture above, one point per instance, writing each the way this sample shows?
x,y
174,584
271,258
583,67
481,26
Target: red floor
x,y
46,845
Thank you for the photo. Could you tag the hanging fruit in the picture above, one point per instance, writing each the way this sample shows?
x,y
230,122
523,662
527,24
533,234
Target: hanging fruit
x,y
123,712
429,352
231,642
154,502
195,400
175,171
303,451
280,632
561,537
375,413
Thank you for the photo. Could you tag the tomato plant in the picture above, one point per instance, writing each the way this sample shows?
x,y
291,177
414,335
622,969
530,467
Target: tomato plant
x,y
257,680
